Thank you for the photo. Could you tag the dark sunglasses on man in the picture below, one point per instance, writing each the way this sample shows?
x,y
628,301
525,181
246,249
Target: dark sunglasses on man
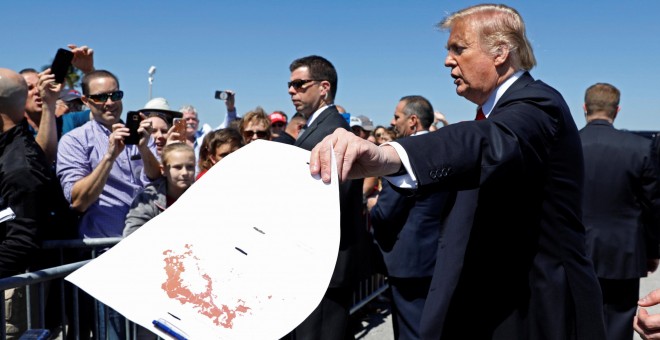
x,y
299,83
260,134
103,97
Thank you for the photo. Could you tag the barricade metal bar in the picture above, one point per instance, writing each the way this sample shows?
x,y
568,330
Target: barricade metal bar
x,y
3,317
361,303
28,299
76,314
40,275
81,243
42,303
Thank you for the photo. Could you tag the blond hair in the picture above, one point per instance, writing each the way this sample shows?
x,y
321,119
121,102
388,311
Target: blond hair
x,y
497,25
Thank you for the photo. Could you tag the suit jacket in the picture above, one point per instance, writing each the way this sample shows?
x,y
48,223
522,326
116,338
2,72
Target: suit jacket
x,y
621,201
512,237
407,229
285,138
353,226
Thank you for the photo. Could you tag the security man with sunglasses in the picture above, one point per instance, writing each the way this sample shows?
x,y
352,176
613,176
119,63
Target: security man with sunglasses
x,y
312,88
100,174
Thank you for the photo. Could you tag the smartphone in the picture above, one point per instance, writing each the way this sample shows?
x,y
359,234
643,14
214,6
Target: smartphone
x,y
180,128
133,120
61,64
222,95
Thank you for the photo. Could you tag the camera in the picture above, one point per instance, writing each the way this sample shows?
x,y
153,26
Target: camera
x,y
222,95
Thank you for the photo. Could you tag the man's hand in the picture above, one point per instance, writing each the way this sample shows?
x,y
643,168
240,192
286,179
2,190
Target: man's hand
x,y
356,157
371,202
83,58
648,326
438,117
174,137
49,90
230,100
116,144
144,130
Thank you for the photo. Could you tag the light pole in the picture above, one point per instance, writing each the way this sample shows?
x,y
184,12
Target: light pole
x,y
152,70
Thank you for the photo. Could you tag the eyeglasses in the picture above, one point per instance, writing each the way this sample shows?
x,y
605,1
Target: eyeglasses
x,y
277,125
260,134
299,83
103,97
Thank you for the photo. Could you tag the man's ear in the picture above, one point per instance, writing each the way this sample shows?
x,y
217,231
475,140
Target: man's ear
x,y
618,108
413,120
501,54
325,85
162,170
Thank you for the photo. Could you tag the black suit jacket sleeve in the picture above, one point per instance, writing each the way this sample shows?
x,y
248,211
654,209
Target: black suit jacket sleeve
x,y
514,141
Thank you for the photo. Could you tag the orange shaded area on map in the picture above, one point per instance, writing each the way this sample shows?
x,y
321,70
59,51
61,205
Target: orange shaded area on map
x,y
176,288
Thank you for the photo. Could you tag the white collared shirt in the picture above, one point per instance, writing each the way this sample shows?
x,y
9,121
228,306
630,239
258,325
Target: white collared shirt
x,y
405,181
499,91
317,113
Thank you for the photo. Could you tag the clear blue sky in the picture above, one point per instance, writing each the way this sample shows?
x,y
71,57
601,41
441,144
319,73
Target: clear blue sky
x,y
382,50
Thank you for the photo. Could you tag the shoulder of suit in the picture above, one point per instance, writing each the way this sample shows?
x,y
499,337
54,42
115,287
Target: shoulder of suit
x,y
332,117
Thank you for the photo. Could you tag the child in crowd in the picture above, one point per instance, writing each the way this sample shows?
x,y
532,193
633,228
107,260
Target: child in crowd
x,y
217,145
178,169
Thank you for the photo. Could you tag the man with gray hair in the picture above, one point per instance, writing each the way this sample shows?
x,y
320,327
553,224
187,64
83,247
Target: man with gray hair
x,y
511,235
412,116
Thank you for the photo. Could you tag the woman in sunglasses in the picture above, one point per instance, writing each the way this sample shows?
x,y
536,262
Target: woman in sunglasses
x,y
255,125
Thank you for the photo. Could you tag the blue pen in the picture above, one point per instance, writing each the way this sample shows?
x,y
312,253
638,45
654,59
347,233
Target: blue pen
x,y
169,329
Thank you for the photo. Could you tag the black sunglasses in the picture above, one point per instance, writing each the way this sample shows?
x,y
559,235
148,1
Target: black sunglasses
x,y
299,83
260,134
103,97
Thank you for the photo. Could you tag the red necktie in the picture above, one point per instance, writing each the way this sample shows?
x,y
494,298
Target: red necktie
x,y
480,114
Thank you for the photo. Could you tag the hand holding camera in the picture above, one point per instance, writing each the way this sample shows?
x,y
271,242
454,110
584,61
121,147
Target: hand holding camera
x,y
228,97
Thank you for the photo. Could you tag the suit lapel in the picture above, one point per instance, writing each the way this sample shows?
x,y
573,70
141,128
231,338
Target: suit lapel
x,y
315,124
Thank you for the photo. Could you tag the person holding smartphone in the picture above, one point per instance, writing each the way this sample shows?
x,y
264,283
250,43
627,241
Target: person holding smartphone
x,y
99,173
42,121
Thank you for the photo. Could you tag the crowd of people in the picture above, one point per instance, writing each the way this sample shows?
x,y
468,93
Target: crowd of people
x,y
550,225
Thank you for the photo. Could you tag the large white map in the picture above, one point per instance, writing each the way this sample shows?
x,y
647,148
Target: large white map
x,y
246,253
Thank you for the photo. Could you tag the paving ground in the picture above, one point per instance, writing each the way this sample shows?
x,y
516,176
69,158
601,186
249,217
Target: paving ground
x,y
374,321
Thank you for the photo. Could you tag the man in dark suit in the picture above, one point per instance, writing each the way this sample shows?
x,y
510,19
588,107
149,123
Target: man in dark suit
x,y
313,87
292,130
512,238
621,208
407,229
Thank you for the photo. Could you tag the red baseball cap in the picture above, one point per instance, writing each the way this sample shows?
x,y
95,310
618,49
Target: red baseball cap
x,y
277,117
